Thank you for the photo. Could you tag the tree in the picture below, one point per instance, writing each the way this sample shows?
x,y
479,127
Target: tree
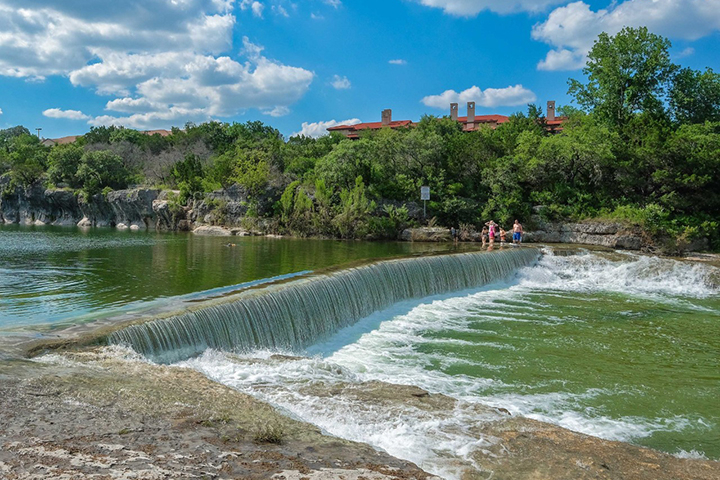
x,y
63,164
100,169
695,96
27,158
627,74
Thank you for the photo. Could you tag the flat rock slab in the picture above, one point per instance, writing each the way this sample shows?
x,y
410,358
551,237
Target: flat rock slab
x,y
89,416
96,415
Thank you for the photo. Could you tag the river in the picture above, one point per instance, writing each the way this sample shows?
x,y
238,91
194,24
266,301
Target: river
x,y
612,344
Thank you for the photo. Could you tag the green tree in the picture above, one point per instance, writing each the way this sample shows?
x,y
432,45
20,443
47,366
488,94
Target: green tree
x,y
63,164
695,96
626,74
100,169
27,158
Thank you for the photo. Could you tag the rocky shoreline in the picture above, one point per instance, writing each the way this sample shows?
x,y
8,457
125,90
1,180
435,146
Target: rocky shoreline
x,y
103,414
224,213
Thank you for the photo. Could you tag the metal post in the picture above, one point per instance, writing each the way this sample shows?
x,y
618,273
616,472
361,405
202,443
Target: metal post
x,y
38,131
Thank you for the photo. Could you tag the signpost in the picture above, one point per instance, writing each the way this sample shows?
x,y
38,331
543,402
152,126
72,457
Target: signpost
x,y
424,196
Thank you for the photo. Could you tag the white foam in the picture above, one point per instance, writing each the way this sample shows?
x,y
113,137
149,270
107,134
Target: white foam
x,y
388,346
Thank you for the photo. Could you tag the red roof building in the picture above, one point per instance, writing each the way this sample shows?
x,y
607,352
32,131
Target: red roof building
x,y
470,123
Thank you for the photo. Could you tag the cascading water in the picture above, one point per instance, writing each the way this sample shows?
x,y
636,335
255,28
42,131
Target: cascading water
x,y
589,341
294,315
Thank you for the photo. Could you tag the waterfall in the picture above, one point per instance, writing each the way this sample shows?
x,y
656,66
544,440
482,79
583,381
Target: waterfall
x,y
294,315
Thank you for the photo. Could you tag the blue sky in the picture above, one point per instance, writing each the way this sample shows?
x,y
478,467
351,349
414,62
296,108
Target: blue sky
x,y
301,66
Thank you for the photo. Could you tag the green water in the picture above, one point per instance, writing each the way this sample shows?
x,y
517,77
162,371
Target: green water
x,y
50,275
622,347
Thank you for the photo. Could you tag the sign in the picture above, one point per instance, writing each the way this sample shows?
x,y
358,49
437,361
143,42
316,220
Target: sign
x,y
424,193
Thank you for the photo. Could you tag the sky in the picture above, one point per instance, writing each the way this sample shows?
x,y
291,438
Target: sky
x,y
304,65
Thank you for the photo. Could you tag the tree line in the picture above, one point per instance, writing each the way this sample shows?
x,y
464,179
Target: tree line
x,y
642,145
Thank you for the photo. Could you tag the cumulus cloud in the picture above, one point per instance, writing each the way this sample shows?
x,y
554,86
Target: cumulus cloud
x,y
340,83
163,61
1,112
490,97
65,114
572,29
334,3
318,129
398,61
470,8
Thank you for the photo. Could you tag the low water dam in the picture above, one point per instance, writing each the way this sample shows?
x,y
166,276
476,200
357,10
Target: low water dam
x,y
297,314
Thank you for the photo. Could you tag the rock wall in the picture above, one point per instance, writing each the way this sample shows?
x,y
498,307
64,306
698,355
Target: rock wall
x,y
134,209
612,235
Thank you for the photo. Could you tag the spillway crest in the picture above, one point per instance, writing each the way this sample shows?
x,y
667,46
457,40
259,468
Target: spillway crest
x,y
295,315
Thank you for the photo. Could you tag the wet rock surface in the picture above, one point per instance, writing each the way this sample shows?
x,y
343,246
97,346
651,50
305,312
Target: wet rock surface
x,y
95,416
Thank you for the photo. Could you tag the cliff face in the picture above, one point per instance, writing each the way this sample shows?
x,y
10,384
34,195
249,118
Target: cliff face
x,y
612,235
135,209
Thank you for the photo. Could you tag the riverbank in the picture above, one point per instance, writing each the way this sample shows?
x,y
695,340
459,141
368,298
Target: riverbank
x,y
104,412
227,213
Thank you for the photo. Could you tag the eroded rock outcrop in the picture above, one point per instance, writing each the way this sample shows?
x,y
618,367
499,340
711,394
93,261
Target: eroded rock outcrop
x,y
610,234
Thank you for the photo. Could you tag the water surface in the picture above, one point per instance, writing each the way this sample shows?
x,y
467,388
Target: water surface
x,y
52,275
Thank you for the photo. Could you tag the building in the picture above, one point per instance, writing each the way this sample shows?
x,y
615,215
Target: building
x,y
353,131
470,122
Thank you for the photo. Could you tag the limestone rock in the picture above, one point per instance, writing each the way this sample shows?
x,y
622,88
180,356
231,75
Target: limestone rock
x,y
212,231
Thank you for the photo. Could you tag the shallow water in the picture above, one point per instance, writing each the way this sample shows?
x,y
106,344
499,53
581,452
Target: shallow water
x,y
53,275
619,346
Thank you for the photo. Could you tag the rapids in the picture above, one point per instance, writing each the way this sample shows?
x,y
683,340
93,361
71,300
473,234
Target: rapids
x,y
616,345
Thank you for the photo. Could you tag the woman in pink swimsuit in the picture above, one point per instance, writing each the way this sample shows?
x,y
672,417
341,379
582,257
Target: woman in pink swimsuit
x,y
491,231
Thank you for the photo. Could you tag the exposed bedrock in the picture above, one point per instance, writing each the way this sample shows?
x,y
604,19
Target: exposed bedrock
x,y
81,415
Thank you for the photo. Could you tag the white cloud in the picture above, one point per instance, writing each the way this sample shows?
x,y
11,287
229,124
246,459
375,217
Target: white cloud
x,y
280,10
334,3
470,8
257,9
316,16
318,129
490,97
65,114
1,112
687,52
572,29
398,61
340,83
163,60
279,111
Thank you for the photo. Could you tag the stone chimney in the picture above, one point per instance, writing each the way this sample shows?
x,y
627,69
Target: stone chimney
x,y
550,111
454,111
386,116
471,115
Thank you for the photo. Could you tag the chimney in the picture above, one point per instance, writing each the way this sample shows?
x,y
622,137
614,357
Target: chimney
x,y
471,115
550,111
454,111
386,116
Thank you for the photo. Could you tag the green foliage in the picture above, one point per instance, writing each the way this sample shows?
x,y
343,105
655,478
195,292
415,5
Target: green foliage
x,y
353,211
63,164
100,169
252,170
27,159
695,96
627,74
